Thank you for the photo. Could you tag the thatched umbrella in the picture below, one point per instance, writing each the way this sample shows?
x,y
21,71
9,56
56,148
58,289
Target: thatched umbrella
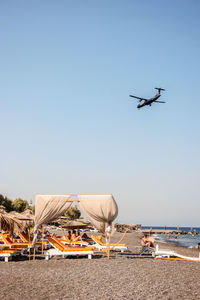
x,y
10,224
28,213
76,224
2,209
26,221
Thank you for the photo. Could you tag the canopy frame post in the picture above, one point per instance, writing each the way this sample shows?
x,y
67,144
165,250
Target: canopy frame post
x,y
108,246
42,239
29,239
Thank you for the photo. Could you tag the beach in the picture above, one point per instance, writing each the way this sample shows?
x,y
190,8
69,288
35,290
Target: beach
x,y
121,277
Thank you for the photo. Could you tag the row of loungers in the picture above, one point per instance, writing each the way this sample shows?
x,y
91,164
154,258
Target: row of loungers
x,y
62,247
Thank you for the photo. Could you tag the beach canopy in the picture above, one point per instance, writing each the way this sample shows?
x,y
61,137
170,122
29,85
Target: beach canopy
x,y
101,210
49,208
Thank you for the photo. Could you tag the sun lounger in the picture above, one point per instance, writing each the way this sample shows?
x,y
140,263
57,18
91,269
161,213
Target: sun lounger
x,y
66,241
7,254
168,254
100,245
25,240
59,249
7,241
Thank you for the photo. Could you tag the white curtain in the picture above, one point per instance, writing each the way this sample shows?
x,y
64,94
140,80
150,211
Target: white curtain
x,y
49,208
101,210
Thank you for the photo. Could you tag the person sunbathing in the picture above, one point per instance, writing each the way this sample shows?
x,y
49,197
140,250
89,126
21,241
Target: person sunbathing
x,y
69,236
85,237
77,238
149,242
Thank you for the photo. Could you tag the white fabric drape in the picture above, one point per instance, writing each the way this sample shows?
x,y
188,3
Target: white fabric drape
x,y
101,210
49,208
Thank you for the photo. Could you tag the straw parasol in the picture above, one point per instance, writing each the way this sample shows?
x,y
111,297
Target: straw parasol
x,y
18,216
76,224
28,213
2,209
25,220
10,224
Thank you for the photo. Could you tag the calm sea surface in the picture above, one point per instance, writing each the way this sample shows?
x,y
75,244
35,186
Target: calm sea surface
x,y
186,240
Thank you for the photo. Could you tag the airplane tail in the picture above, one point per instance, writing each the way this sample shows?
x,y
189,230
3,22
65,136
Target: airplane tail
x,y
159,89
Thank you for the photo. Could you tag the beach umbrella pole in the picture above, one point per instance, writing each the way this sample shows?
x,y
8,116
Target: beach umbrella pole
x,y
34,253
29,239
63,232
42,239
108,246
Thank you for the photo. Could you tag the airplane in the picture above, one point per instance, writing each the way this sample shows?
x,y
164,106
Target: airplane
x,y
149,101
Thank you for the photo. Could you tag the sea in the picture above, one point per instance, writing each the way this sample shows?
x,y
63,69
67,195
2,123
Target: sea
x,y
190,239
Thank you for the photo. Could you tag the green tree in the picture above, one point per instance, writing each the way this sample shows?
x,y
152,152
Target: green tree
x,y
20,205
1,199
73,213
6,202
33,209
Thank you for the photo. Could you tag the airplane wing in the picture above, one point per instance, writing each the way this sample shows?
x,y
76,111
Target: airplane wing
x,y
159,101
138,98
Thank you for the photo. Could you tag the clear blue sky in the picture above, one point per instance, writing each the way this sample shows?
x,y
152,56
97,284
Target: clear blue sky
x,y
67,122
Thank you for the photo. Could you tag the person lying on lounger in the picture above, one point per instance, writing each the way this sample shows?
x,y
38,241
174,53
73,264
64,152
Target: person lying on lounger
x,y
69,235
85,237
147,241
75,237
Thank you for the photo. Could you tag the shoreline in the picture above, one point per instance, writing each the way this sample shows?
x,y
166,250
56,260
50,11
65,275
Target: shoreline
x,y
181,241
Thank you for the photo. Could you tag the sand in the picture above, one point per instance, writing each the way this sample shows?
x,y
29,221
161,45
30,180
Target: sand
x,y
122,277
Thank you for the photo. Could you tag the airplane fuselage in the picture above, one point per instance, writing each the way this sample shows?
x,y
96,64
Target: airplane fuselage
x,y
149,101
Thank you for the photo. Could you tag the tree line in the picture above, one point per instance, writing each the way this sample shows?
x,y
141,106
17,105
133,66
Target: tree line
x,y
18,204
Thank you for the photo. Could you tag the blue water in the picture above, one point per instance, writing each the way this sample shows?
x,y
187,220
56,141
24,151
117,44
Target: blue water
x,y
185,240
